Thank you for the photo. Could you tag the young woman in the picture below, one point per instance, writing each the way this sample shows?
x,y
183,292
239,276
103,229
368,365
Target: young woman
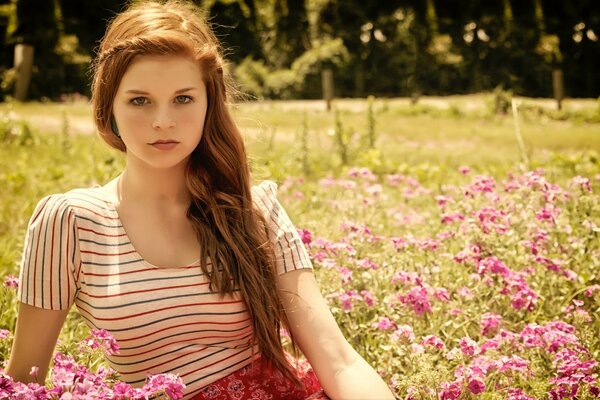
x,y
191,269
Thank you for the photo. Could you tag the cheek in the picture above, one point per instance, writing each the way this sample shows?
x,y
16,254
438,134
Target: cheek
x,y
193,120
135,118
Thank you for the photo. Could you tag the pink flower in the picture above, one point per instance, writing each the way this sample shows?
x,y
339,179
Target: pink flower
x,y
476,385
463,169
549,213
443,200
34,371
122,391
346,274
169,384
384,324
4,334
368,264
489,323
451,390
305,235
583,183
441,294
514,363
433,341
418,298
465,292
100,338
468,346
590,291
449,218
394,180
368,298
11,281
517,394
346,299
404,331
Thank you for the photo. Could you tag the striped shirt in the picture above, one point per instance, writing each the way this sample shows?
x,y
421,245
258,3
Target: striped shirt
x,y
165,320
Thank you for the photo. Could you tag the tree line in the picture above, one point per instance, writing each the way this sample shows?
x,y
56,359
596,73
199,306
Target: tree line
x,y
278,48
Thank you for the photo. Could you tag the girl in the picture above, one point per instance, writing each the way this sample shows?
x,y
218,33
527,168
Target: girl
x,y
191,269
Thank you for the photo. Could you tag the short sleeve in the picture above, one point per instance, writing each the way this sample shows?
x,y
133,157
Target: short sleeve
x,y
50,256
290,252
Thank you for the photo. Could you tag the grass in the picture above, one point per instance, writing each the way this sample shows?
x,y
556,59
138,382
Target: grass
x,y
380,228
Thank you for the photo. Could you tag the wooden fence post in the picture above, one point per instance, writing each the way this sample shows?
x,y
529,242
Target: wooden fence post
x,y
23,65
558,86
327,86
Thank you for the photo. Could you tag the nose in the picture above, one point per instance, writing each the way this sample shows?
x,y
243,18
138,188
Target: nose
x,y
163,119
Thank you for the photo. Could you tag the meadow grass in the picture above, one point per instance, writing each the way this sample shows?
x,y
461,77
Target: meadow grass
x,y
439,226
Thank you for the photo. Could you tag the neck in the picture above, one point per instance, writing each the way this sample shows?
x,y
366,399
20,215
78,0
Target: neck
x,y
155,187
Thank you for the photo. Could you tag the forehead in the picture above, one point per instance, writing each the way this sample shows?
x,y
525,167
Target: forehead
x,y
157,73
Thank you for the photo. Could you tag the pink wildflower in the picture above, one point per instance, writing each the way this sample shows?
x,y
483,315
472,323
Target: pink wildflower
x,y
468,346
346,274
11,281
346,299
384,324
463,169
368,298
100,338
443,200
583,183
305,235
441,294
465,292
368,264
449,218
404,331
4,334
517,394
170,384
590,291
451,390
476,385
489,323
394,180
433,341
418,298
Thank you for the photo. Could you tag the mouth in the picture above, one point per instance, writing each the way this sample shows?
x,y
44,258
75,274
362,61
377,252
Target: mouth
x,y
165,141
164,144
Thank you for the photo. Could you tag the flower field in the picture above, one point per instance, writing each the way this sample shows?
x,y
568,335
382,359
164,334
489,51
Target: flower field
x,y
455,278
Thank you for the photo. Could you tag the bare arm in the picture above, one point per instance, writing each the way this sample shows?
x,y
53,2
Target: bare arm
x,y
343,373
35,338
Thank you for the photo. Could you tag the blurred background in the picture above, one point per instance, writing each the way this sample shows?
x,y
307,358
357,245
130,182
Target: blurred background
x,y
299,49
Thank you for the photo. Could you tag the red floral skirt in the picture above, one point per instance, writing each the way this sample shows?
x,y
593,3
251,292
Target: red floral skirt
x,y
260,381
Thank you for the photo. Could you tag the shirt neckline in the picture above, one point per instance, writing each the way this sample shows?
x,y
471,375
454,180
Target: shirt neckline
x,y
112,207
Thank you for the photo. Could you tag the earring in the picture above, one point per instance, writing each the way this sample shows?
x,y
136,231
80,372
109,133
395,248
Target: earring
x,y
113,125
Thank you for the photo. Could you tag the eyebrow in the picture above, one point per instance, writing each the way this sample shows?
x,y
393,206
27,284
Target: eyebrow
x,y
187,89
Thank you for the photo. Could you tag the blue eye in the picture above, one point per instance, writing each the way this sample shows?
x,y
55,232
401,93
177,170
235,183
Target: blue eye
x,y
183,99
139,101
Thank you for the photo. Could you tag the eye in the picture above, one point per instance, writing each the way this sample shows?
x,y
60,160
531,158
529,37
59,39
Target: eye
x,y
183,99
139,101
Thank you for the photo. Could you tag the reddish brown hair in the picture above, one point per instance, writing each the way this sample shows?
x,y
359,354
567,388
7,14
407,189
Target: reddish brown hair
x,y
232,233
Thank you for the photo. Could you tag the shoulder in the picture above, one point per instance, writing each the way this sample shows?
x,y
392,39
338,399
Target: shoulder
x,y
264,195
72,204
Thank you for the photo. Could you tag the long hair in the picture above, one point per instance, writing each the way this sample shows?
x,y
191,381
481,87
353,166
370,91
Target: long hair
x,y
233,234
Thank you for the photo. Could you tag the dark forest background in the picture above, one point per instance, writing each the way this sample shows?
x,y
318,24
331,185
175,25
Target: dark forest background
x,y
278,48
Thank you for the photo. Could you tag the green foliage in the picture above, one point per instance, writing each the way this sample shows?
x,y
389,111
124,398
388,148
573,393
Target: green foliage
x,y
423,149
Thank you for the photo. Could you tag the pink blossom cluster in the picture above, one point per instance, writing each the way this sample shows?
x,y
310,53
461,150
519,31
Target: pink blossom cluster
x,y
70,380
514,283
11,281
101,339
491,219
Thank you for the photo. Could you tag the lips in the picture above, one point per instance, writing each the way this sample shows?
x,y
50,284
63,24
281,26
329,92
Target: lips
x,y
164,144
164,141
